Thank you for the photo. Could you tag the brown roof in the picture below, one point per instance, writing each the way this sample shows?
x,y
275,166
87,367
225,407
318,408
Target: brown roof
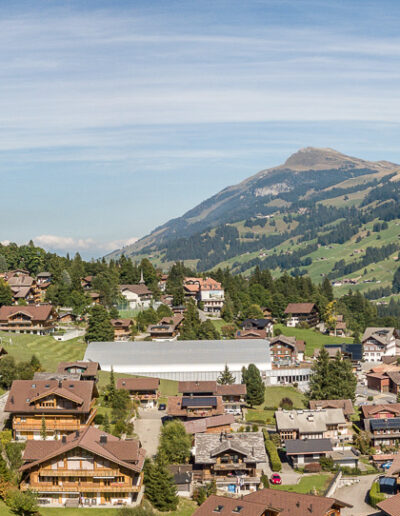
x,y
251,334
198,387
174,406
295,504
200,425
36,313
90,368
138,384
125,453
291,341
299,308
227,506
20,281
370,410
235,389
391,506
140,290
24,392
345,405
394,376
395,467
121,323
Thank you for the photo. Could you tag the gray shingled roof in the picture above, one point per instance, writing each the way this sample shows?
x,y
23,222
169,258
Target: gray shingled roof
x,y
250,443
300,446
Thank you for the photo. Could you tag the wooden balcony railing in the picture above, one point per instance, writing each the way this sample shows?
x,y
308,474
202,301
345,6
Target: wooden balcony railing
x,y
73,487
79,473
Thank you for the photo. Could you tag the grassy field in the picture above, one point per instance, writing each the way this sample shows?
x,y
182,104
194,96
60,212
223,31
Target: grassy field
x,y
167,387
308,484
313,339
185,508
48,350
273,397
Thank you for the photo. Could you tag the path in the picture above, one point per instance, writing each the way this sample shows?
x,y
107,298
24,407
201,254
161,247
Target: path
x,y
148,428
356,495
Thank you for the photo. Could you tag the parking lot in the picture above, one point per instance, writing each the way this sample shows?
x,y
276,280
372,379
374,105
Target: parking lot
x,y
148,427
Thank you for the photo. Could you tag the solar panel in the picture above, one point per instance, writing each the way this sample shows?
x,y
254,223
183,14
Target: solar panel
x,y
392,423
201,401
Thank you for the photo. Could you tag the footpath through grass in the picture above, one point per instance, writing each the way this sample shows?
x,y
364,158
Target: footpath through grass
x,y
312,338
308,484
264,413
48,350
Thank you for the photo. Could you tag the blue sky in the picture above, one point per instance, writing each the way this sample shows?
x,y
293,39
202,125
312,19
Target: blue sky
x,y
117,116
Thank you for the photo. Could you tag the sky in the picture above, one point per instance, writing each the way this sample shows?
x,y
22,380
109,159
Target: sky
x,y
118,116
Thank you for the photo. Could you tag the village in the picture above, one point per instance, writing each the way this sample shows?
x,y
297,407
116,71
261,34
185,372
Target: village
x,y
87,429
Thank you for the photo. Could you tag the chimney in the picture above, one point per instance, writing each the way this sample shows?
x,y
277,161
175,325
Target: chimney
x,y
103,439
77,433
59,384
64,439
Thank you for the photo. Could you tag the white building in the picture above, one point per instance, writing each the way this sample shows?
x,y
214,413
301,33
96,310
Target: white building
x,y
380,342
137,296
182,360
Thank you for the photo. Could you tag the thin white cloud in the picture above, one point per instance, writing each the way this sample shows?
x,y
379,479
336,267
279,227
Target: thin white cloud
x,y
87,245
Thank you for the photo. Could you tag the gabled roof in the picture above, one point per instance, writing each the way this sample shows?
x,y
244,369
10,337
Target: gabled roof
x,y
90,368
391,506
345,405
224,506
299,308
138,384
178,405
139,289
36,312
198,387
201,425
235,389
381,335
207,446
24,392
128,454
121,323
295,504
371,410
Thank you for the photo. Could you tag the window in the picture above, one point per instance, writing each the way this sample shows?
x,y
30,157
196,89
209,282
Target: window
x,y
218,508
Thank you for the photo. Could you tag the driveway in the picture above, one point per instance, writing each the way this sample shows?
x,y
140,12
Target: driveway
x,y
3,415
148,427
356,495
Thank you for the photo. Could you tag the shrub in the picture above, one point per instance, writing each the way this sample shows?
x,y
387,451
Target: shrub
x,y
313,467
273,455
265,481
24,503
99,419
326,463
255,428
375,496
286,403
370,398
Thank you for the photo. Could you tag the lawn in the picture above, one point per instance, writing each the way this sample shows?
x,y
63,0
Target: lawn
x,y
308,484
273,397
185,508
313,339
167,387
48,350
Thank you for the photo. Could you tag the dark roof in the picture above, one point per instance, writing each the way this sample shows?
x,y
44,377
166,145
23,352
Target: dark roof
x,y
138,384
391,423
201,401
299,308
89,368
260,324
300,446
126,453
295,504
24,392
345,405
355,350
35,312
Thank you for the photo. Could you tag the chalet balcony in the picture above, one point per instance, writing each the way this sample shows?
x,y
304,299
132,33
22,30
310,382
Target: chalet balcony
x,y
79,473
226,480
73,487
27,427
231,466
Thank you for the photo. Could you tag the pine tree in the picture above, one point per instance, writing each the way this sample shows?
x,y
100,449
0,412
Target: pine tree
x,y
6,297
106,424
320,379
99,328
110,388
226,377
254,385
175,442
326,289
160,486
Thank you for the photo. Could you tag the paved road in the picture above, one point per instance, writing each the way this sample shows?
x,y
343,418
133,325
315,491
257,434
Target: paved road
x,y
3,415
148,427
356,496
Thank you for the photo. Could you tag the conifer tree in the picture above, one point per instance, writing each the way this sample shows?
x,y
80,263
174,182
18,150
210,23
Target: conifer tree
x,y
320,379
43,430
160,487
99,328
254,385
226,377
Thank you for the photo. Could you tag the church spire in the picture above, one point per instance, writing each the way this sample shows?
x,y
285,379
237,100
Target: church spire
x,y
141,277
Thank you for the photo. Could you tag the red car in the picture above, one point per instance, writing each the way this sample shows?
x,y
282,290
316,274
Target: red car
x,y
276,479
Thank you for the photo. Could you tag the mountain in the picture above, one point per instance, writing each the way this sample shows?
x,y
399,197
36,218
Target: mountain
x,y
275,218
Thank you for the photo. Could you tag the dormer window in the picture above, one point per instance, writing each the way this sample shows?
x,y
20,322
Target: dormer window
x,y
238,509
47,386
34,386
28,400
218,508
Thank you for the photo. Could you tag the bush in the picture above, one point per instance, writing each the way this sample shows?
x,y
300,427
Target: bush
x,y
286,403
24,503
99,419
273,455
326,463
370,398
255,428
264,481
313,467
375,496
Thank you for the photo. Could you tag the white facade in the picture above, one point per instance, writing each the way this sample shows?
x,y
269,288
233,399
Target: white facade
x,y
182,360
135,302
213,300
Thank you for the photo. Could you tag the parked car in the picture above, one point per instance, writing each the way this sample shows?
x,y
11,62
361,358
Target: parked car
x,y
235,412
276,479
162,406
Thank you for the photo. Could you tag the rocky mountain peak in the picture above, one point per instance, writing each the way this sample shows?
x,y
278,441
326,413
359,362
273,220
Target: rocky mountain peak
x,y
312,158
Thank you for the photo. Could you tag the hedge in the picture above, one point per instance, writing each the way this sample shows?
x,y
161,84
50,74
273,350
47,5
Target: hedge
x,y
274,459
375,496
